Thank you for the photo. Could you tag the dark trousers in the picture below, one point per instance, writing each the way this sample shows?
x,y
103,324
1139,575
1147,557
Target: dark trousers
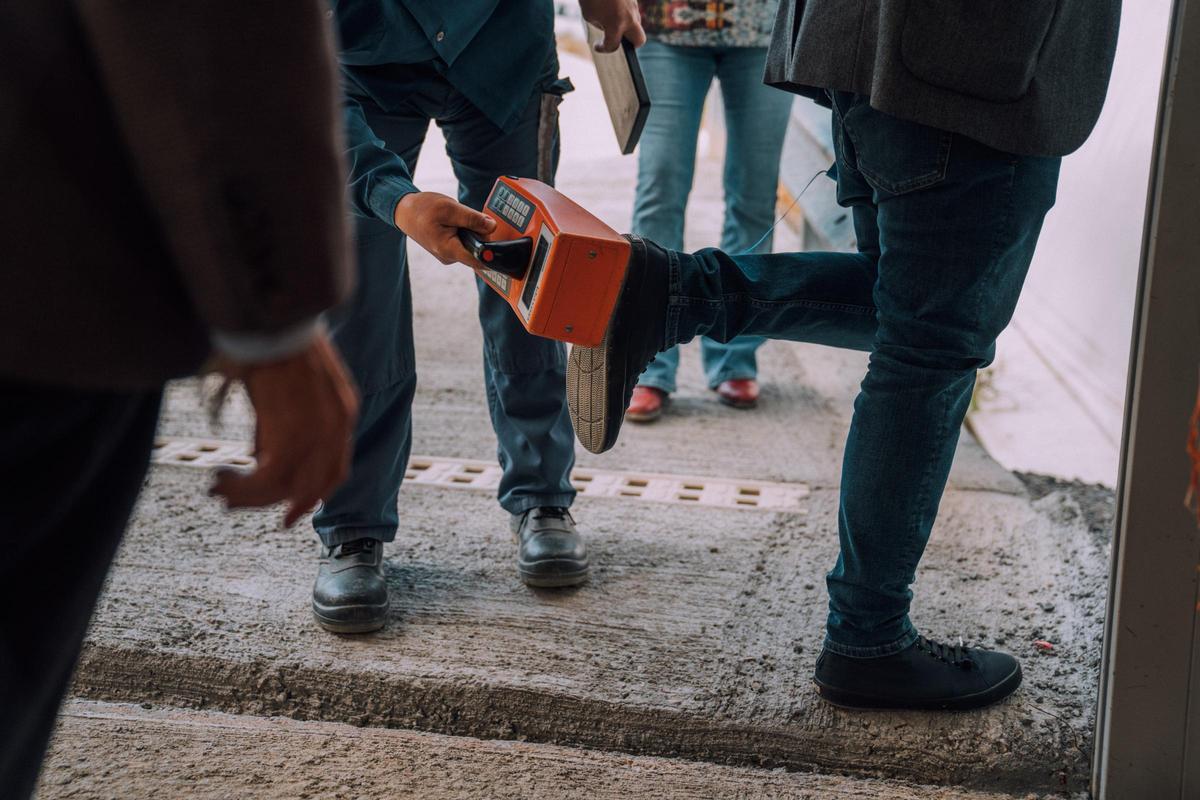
x,y
946,232
71,466
524,375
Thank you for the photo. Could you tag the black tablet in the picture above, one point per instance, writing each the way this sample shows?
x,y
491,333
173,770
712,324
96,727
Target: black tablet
x,y
624,90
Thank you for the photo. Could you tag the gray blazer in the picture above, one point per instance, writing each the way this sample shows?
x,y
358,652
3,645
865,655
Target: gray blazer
x,y
1023,76
168,169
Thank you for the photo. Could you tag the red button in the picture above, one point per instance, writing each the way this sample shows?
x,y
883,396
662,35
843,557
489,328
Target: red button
x,y
488,255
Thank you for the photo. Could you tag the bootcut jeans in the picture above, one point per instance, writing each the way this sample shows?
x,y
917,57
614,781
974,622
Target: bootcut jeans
x,y
678,78
946,231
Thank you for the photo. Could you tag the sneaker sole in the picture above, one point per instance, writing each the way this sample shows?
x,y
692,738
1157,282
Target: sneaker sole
x,y
588,397
335,624
862,702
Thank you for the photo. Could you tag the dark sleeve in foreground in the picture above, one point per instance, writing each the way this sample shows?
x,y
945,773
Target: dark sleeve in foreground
x,y
232,117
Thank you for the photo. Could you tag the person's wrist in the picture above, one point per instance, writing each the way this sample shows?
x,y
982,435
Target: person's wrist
x,y
403,214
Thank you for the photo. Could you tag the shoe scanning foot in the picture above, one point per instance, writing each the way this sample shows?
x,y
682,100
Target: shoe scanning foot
x,y
601,380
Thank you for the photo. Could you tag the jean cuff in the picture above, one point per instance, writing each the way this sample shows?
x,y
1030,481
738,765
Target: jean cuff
x,y
655,383
730,375
877,651
333,536
520,505
674,309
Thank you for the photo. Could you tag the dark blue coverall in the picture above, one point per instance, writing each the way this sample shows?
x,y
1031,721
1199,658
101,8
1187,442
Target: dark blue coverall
x,y
487,72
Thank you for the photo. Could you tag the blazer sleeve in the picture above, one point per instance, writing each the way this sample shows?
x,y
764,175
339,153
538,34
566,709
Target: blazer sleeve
x,y
230,112
378,177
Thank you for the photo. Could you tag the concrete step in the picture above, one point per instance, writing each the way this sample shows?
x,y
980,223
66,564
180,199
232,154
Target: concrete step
x,y
104,750
695,636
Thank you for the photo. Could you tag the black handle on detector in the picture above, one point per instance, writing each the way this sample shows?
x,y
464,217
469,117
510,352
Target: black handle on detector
x,y
509,257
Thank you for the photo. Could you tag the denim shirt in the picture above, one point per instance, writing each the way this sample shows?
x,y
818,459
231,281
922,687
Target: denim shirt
x,y
494,52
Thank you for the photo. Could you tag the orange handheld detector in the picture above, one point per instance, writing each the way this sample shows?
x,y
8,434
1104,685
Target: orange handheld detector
x,y
558,266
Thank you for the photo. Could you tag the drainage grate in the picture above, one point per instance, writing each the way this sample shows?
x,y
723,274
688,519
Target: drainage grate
x,y
458,473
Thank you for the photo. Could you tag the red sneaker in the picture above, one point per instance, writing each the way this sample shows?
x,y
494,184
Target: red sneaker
x,y
738,392
646,405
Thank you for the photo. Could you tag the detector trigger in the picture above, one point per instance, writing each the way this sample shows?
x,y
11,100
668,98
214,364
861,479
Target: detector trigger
x,y
509,257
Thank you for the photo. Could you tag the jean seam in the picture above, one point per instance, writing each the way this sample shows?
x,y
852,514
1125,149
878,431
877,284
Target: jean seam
x,y
997,243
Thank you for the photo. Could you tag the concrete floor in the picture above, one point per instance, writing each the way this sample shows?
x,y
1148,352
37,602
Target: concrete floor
x,y
691,646
108,750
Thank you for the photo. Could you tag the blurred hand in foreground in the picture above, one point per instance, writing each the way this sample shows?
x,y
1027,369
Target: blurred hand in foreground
x,y
306,407
432,220
620,19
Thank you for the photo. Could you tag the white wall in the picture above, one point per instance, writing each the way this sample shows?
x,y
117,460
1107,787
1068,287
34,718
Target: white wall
x,y
1054,401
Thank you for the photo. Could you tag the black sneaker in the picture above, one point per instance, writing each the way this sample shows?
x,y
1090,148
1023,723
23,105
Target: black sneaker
x,y
550,552
600,380
351,595
926,675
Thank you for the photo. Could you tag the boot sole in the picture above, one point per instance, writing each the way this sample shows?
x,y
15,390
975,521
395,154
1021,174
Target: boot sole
x,y
553,580
862,702
335,624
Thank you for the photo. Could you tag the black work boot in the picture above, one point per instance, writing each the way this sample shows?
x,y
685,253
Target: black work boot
x,y
549,550
926,675
600,380
351,595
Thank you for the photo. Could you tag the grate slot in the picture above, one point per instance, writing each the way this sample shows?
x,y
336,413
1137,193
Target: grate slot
x,y
455,473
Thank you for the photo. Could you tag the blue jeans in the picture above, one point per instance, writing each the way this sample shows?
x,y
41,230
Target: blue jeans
x,y
946,231
524,375
756,116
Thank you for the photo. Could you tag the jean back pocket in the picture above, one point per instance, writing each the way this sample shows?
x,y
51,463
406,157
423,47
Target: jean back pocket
x,y
895,156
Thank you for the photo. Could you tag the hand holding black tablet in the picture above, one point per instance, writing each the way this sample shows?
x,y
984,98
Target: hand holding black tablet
x,y
623,88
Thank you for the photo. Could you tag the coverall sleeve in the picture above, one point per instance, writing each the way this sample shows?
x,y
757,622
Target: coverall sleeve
x,y
378,177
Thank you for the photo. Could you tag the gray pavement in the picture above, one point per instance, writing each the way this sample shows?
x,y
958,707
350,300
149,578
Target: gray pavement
x,y
695,637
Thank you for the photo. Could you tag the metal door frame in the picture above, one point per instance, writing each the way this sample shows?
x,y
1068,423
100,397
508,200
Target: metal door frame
x,y
1148,721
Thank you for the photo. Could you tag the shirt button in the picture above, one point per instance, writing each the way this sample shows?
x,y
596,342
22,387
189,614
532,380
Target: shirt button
x,y
329,14
441,35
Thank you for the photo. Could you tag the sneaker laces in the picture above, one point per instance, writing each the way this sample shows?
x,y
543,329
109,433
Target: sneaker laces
x,y
955,655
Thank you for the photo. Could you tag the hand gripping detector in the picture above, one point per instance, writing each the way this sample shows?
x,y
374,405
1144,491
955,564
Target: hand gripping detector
x,y
558,266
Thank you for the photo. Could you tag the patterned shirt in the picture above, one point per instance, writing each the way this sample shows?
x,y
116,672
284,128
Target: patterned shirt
x,y
709,23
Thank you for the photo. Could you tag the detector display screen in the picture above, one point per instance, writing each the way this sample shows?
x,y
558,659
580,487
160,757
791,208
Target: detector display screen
x,y
535,271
